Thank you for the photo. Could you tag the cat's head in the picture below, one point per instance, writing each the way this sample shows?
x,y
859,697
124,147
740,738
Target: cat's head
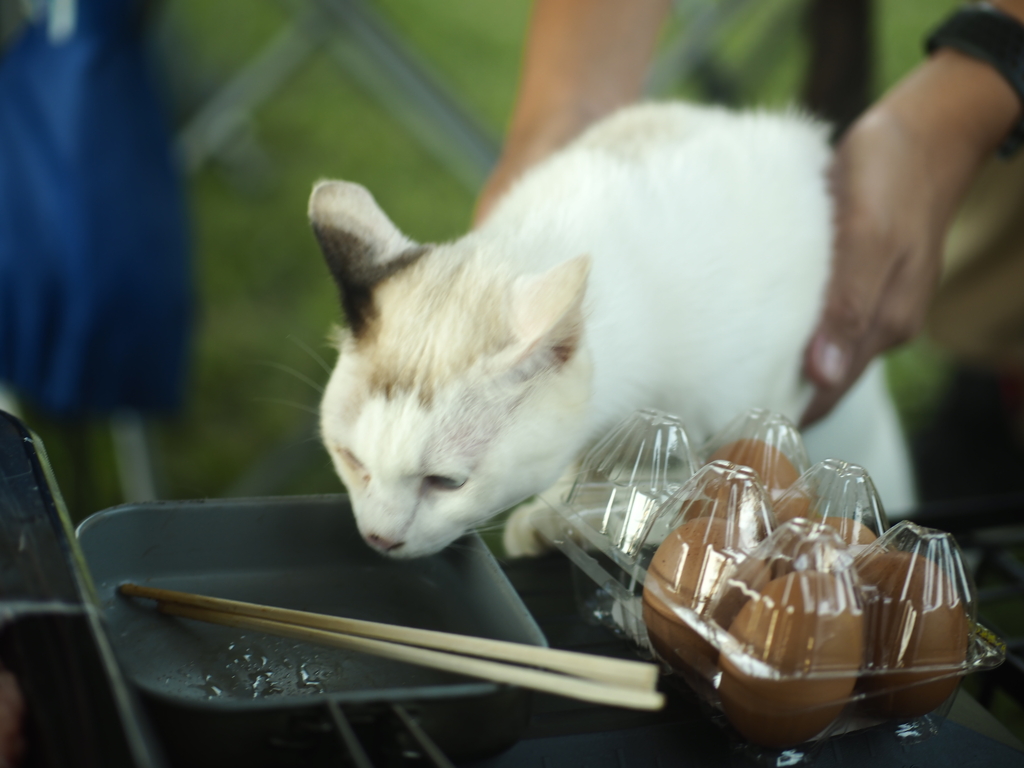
x,y
460,388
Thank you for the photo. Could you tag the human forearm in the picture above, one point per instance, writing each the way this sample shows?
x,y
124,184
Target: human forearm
x,y
899,176
583,59
960,109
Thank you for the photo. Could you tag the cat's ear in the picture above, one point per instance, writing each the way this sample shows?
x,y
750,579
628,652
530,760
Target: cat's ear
x,y
361,245
547,316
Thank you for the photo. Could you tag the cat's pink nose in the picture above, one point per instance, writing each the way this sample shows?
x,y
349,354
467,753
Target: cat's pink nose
x,y
384,545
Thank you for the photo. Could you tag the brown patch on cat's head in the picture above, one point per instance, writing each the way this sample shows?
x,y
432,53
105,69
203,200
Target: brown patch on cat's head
x,y
361,246
563,351
357,275
436,320
423,316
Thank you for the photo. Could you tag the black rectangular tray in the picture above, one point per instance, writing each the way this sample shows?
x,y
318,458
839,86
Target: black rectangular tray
x,y
222,694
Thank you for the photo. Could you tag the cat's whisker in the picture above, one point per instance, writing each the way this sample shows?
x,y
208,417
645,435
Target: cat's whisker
x,y
490,528
310,351
297,374
491,524
280,401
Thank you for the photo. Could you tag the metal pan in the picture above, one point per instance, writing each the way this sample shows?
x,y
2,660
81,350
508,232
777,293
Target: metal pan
x,y
220,695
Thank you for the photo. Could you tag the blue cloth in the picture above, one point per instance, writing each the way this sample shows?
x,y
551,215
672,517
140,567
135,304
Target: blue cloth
x,y
95,286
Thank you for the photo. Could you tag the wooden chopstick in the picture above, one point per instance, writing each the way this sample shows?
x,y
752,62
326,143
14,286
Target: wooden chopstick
x,y
535,679
623,672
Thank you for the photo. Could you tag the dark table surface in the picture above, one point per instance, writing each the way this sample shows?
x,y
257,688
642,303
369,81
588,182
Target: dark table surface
x,y
567,733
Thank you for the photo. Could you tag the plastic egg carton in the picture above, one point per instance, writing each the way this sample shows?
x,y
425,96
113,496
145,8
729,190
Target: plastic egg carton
x,y
612,519
775,589
603,520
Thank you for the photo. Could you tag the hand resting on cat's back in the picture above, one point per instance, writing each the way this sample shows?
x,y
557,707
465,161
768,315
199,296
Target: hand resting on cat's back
x,y
673,257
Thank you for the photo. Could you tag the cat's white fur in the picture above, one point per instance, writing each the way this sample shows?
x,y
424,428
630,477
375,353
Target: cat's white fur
x,y
672,257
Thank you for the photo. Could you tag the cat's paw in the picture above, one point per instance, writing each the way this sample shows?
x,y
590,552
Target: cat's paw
x,y
522,537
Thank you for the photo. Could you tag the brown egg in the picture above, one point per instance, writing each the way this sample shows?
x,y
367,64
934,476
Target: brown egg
x,y
688,568
850,530
675,642
728,492
780,630
910,630
798,504
689,561
772,465
792,506
748,580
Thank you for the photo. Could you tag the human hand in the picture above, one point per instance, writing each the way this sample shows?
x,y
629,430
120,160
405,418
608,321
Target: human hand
x,y
889,230
897,178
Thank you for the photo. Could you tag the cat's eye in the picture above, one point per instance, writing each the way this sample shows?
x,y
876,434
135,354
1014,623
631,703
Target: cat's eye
x,y
349,458
354,464
442,483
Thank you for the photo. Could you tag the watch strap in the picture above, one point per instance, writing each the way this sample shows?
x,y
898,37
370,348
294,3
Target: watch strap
x,y
987,34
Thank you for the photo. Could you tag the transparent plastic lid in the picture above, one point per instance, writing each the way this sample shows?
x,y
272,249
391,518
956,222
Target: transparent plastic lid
x,y
626,475
728,493
700,533
797,546
792,608
837,493
921,615
765,441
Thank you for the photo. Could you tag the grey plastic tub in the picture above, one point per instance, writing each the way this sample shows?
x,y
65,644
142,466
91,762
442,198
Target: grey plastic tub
x,y
223,695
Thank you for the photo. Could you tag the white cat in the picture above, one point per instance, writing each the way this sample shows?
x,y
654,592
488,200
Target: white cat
x,y
672,257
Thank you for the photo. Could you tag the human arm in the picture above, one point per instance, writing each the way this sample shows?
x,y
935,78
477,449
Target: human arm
x,y
583,59
898,177
12,720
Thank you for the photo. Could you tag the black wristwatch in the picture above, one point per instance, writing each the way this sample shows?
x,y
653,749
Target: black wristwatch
x,y
987,34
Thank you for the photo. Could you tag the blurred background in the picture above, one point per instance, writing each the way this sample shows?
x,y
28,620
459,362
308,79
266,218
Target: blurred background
x,y
409,98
